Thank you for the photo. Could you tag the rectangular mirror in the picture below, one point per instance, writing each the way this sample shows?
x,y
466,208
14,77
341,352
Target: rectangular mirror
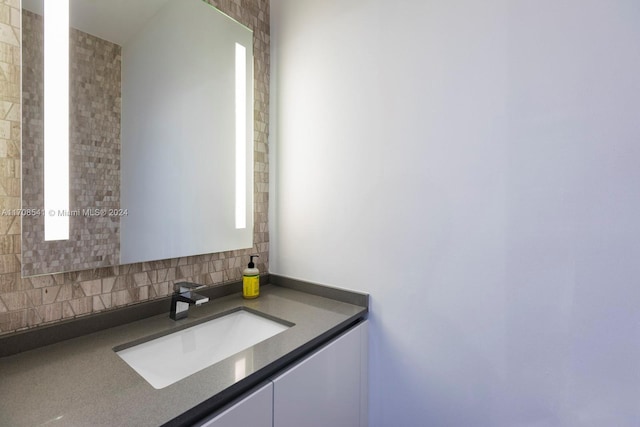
x,y
160,134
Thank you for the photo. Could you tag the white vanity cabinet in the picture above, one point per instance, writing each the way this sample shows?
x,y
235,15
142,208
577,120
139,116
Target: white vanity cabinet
x,y
254,410
327,388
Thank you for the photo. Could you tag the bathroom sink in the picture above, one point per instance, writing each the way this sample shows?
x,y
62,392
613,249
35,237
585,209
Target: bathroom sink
x,y
165,360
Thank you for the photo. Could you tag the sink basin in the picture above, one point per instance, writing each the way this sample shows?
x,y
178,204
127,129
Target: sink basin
x,y
165,360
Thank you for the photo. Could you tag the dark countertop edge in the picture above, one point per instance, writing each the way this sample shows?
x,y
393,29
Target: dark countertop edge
x,y
228,397
40,336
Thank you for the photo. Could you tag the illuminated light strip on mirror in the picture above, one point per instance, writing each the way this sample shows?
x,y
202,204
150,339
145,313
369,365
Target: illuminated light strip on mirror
x,y
241,136
56,120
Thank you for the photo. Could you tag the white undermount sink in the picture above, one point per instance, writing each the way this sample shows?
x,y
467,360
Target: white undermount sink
x,y
170,358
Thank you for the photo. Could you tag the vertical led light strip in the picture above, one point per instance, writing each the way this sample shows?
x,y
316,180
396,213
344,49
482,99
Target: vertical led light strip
x,y
56,120
241,136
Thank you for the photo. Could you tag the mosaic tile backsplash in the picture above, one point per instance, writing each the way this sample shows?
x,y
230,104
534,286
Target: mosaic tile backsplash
x,y
34,301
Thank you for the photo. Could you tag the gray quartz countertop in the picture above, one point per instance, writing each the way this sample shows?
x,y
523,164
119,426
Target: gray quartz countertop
x,y
82,381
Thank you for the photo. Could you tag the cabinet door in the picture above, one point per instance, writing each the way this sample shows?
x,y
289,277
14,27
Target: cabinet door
x,y
255,410
326,388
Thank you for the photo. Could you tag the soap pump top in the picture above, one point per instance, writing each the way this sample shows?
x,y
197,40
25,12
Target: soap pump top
x,y
251,264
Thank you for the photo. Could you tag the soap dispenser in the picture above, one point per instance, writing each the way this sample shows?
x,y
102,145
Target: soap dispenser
x,y
251,280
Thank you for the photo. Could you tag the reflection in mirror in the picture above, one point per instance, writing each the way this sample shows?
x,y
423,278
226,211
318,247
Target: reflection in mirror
x,y
186,147
155,134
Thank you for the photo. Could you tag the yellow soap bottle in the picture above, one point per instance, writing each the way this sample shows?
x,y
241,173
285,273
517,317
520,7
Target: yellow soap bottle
x,y
251,280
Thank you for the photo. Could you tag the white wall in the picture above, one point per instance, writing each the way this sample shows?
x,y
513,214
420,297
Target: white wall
x,y
475,166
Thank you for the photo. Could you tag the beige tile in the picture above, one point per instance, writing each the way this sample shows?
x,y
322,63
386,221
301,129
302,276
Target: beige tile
x,y
218,265
123,282
5,106
171,274
15,224
184,271
152,276
14,113
120,298
13,147
11,282
7,35
92,287
217,277
65,293
15,300
34,297
199,269
10,203
13,3
50,294
9,263
5,128
42,281
9,244
161,275
106,300
15,17
33,317
107,284
81,306
67,311
141,279
5,224
98,305
13,321
50,312
161,289
238,262
77,291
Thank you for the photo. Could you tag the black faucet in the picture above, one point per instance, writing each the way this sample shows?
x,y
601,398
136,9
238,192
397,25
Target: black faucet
x,y
183,297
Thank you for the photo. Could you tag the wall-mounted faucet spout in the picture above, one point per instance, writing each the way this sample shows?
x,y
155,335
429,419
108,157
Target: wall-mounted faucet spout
x,y
183,297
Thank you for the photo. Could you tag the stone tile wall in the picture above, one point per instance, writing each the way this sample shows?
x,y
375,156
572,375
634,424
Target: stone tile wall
x,y
34,301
